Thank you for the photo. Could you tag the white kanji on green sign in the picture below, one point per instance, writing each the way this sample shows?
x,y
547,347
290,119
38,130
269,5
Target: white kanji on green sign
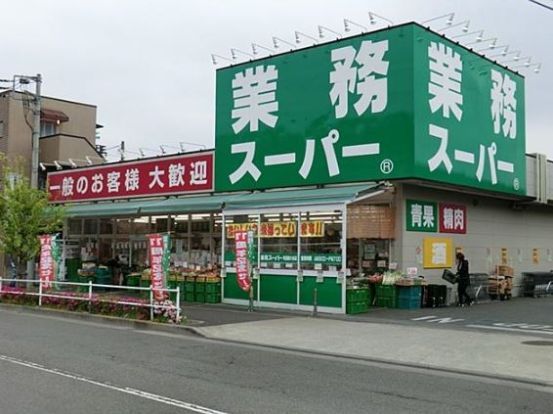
x,y
421,216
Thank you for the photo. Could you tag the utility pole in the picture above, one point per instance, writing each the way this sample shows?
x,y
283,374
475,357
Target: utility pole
x,y
35,138
36,132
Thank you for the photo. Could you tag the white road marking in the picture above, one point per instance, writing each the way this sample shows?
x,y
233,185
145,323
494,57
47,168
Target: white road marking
x,y
433,318
126,390
502,328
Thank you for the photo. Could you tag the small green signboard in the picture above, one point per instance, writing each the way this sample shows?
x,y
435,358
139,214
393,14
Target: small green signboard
x,y
306,258
421,216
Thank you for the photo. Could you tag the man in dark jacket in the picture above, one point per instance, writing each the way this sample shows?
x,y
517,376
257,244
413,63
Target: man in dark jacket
x,y
463,280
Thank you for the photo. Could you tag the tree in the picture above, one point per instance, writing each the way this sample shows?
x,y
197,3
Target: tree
x,y
24,215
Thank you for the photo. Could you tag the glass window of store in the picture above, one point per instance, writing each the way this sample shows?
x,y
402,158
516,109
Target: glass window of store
x,y
320,240
200,240
234,223
319,235
105,241
278,241
180,240
141,226
121,241
216,239
370,232
89,240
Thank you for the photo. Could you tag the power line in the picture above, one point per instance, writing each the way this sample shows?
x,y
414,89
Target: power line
x,y
541,4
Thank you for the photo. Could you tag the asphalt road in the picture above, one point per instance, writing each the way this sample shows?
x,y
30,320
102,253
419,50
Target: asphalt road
x,y
58,365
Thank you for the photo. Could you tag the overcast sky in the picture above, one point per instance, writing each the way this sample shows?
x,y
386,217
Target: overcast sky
x,y
147,64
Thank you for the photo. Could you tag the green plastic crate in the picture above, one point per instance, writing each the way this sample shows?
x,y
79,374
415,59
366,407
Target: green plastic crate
x,y
189,297
386,290
357,295
200,297
213,298
213,287
386,296
134,281
357,307
189,287
200,287
386,302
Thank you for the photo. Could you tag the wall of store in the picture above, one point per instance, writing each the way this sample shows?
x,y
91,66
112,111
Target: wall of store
x,y
492,224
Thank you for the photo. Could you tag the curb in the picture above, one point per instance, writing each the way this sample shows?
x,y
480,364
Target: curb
x,y
113,320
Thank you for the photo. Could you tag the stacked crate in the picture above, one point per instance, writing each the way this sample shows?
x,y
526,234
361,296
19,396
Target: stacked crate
x,y
189,289
386,296
357,300
213,290
409,297
200,289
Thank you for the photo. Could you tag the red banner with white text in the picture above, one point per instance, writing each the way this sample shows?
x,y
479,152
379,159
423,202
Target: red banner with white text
x,y
159,263
46,264
172,175
242,265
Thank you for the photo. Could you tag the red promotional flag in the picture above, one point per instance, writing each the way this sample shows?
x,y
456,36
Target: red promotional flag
x,y
46,269
242,265
156,245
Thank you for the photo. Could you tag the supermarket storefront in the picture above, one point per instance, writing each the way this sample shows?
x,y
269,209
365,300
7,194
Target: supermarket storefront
x,y
336,182
309,240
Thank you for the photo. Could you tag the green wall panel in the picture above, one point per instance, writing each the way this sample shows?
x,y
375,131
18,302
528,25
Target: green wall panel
x,y
329,293
233,291
282,289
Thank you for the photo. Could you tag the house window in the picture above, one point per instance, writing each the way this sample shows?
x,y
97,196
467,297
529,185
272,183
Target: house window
x,y
47,128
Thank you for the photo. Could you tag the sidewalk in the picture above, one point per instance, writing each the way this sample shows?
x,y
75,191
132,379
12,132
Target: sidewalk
x,y
489,354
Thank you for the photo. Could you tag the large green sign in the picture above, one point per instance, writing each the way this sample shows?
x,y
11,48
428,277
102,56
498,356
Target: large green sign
x,y
398,103
469,118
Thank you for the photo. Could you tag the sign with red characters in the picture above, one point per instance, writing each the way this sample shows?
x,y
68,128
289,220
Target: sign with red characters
x,y
453,218
159,252
46,264
242,263
178,174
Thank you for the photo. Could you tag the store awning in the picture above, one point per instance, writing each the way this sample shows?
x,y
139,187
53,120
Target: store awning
x,y
215,203
51,115
184,205
299,198
200,204
121,208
